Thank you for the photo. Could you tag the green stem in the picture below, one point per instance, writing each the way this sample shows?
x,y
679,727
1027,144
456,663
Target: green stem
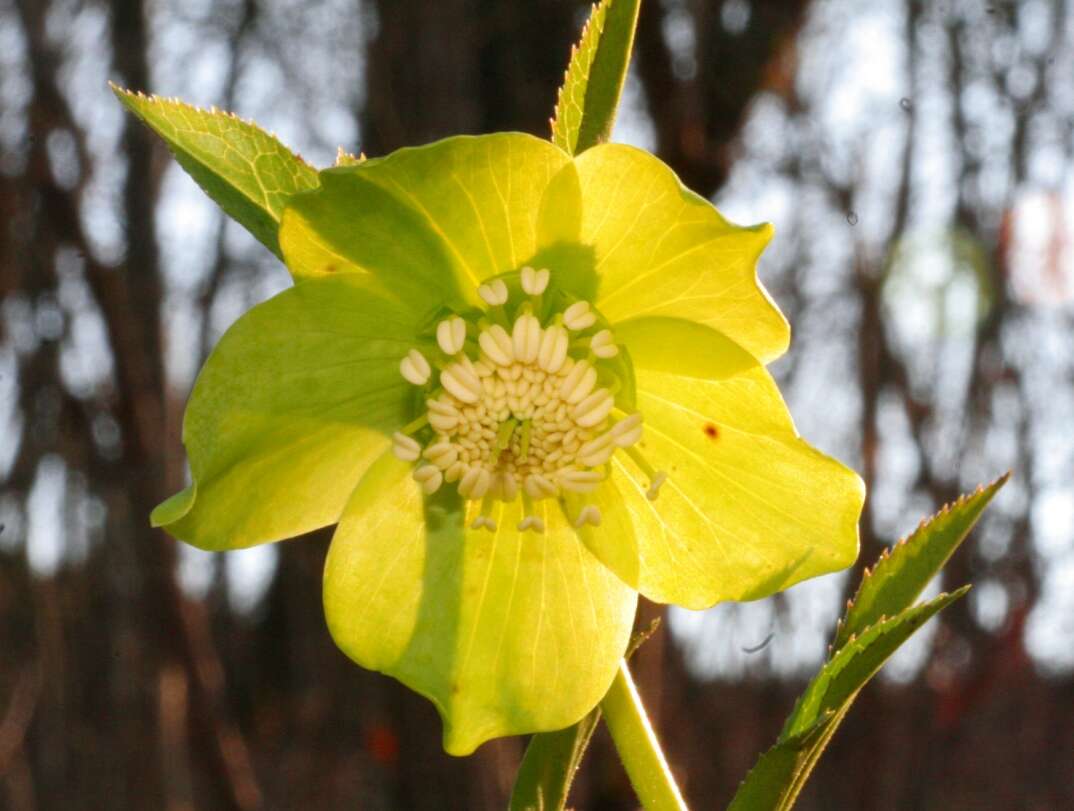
x,y
638,748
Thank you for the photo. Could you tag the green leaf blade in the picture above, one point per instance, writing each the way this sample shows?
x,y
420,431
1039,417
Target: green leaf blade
x,y
853,665
903,571
781,772
879,619
589,97
245,170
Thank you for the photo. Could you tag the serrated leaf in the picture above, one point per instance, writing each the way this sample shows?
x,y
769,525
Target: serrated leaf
x,y
858,660
345,158
244,169
778,776
879,619
589,97
903,571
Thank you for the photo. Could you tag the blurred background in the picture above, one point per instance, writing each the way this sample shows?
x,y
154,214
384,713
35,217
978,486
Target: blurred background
x,y
915,158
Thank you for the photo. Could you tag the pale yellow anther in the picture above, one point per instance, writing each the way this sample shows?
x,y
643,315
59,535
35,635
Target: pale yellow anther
x,y
578,481
553,351
429,477
538,487
475,483
493,293
597,443
603,345
444,423
451,335
415,368
484,521
594,408
531,522
578,382
578,316
534,282
596,458
526,338
440,407
442,454
597,451
589,514
465,362
497,344
405,448
627,431
461,382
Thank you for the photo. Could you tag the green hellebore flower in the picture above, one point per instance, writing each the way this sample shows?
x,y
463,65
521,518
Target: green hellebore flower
x,y
527,387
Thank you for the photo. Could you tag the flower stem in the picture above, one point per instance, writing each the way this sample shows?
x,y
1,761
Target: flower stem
x,y
637,745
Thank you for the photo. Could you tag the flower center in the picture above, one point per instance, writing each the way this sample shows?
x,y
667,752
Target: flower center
x,y
523,404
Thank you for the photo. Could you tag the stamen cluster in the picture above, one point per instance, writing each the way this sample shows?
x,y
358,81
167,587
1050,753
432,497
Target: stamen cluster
x,y
520,409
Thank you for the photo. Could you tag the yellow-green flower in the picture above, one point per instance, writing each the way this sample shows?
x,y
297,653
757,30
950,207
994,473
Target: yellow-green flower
x,y
527,387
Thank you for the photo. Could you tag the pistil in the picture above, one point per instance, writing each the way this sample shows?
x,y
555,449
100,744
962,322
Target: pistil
x,y
503,436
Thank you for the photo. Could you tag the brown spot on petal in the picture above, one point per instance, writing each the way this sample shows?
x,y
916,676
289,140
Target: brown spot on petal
x,y
711,431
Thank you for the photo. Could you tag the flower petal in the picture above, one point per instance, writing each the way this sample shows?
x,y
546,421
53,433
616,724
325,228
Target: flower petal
x,y
293,404
431,222
660,249
506,632
748,508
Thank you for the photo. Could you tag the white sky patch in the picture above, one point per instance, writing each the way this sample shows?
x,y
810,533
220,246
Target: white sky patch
x,y
9,413
182,324
1041,256
249,574
186,227
85,362
1053,522
989,602
1050,626
632,124
734,640
196,570
45,519
905,665
681,37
